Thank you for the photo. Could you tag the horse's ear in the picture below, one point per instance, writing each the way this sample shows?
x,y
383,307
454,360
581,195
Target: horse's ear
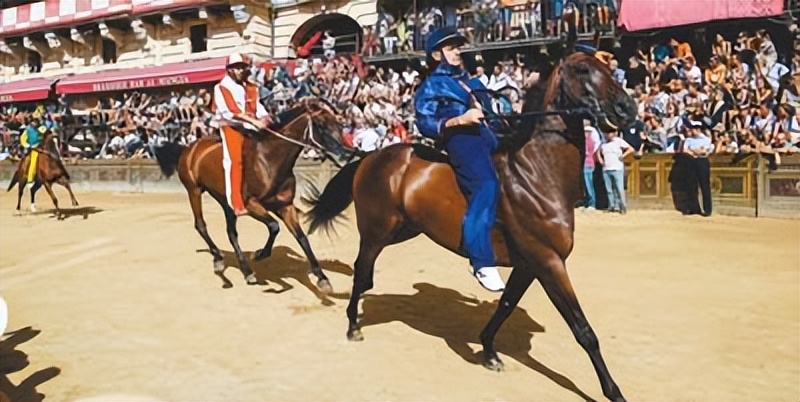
x,y
572,37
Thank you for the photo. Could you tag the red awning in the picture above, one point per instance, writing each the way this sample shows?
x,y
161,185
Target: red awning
x,y
30,90
190,72
637,15
142,7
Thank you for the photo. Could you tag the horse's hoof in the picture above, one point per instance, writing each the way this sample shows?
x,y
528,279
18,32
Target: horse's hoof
x,y
219,266
494,364
262,254
227,285
251,279
33,208
355,335
324,286
17,213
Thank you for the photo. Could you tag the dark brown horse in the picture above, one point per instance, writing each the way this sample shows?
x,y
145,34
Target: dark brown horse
x,y
268,180
49,169
399,193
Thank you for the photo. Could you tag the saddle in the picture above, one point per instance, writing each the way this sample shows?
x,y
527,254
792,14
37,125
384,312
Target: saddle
x,y
429,153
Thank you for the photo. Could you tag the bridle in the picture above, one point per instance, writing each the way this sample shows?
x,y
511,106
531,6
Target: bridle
x,y
308,140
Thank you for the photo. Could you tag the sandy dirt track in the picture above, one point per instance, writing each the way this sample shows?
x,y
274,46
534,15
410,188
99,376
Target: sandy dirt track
x,y
122,307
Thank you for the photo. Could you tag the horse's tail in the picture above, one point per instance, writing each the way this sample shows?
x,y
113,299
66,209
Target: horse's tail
x,y
334,199
14,180
168,155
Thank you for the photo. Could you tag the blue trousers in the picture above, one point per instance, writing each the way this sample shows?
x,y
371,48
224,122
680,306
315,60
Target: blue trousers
x,y
471,157
615,187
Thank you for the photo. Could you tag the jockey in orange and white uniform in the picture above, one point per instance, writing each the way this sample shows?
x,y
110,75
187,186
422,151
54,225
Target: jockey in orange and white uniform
x,y
236,102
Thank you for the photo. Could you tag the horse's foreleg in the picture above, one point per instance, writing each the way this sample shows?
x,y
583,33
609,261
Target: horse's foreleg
x,y
196,202
233,236
368,252
289,216
259,213
558,287
49,189
64,182
518,283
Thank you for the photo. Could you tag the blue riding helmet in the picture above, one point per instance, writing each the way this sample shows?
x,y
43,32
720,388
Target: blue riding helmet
x,y
440,36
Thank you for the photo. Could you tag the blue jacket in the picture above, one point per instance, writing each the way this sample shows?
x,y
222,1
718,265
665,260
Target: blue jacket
x,y
441,97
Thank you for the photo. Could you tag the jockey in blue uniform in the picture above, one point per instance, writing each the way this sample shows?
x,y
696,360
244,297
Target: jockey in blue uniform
x,y
448,112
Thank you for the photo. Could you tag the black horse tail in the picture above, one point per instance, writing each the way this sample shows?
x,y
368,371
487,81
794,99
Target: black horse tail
x,y
334,199
14,180
168,155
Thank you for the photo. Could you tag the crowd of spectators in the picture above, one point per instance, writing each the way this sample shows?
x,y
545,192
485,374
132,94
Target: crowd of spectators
x,y
746,97
129,125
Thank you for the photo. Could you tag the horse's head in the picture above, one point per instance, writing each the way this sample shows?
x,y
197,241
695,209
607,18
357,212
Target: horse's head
x,y
326,126
583,81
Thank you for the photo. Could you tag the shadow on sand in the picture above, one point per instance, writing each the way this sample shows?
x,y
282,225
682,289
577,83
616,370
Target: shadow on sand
x,y
285,263
12,361
458,320
67,213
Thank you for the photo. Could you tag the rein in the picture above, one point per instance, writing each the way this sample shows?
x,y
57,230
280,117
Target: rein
x,y
308,136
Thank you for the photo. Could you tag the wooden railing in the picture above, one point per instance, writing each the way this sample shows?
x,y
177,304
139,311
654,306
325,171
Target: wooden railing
x,y
744,187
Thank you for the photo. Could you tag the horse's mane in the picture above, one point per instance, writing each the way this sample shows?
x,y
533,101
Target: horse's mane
x,y
284,118
534,100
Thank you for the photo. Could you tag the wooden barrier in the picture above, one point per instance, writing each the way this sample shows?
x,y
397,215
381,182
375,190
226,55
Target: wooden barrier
x,y
143,175
745,187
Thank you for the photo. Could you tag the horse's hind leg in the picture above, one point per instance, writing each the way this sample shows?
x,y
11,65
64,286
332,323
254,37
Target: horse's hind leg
x,y
49,188
289,216
363,270
20,192
64,182
558,287
233,236
196,202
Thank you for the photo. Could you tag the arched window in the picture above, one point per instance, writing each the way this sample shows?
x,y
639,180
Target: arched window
x,y
34,62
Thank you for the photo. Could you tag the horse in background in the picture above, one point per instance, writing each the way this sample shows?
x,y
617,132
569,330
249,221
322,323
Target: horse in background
x,y
268,181
50,169
402,191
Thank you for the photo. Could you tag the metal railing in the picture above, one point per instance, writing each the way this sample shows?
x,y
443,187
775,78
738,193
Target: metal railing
x,y
483,26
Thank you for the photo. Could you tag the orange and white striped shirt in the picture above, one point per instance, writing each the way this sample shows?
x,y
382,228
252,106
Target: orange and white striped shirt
x,y
231,98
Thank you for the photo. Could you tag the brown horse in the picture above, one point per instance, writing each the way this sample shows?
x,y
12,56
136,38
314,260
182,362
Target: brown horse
x,y
400,192
268,181
49,169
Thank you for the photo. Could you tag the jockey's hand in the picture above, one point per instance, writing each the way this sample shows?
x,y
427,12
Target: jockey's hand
x,y
471,117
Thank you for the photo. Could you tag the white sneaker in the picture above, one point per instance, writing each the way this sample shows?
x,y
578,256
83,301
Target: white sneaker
x,y
490,279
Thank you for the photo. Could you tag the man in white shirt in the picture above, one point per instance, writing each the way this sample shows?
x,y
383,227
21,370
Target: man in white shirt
x,y
692,72
611,155
500,79
328,45
480,74
366,138
409,75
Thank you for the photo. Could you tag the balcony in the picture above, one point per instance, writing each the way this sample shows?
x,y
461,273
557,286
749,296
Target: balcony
x,y
277,4
487,29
